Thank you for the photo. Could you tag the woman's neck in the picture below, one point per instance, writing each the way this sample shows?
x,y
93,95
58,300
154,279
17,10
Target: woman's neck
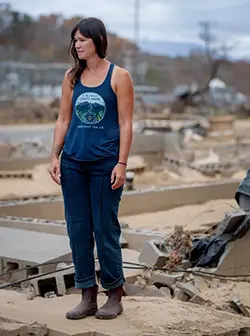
x,y
96,63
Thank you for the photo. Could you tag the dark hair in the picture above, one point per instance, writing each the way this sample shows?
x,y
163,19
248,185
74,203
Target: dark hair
x,y
90,28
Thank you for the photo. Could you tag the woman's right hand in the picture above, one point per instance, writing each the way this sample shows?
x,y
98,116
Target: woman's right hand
x,y
54,170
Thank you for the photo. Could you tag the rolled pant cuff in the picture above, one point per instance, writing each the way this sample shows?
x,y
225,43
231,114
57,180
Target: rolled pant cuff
x,y
114,285
85,284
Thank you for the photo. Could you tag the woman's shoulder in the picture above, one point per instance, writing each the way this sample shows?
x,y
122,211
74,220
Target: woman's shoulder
x,y
68,73
120,71
67,79
121,74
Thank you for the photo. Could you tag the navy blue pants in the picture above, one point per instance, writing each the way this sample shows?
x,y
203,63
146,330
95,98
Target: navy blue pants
x,y
91,210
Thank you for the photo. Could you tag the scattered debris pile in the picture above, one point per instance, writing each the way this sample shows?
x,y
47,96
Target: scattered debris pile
x,y
208,166
31,148
196,131
178,246
229,295
171,268
29,110
174,272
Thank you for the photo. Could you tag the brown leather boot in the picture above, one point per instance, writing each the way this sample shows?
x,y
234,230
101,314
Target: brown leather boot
x,y
113,307
88,305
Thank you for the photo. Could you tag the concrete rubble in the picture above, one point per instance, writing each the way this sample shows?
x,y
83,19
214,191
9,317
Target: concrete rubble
x,y
58,282
206,167
167,272
12,328
173,252
151,255
167,293
155,158
236,303
142,316
167,281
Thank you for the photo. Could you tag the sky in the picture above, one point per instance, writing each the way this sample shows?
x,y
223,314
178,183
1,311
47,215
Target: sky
x,y
160,20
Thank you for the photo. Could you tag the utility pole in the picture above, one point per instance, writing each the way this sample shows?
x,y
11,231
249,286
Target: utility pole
x,y
136,38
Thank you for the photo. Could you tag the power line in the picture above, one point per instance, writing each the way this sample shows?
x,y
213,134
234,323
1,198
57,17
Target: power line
x,y
137,266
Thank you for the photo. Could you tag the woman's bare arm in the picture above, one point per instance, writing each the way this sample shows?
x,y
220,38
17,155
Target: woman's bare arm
x,y
62,125
64,117
125,98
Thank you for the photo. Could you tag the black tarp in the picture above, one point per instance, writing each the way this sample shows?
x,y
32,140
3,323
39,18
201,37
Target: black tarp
x,y
206,252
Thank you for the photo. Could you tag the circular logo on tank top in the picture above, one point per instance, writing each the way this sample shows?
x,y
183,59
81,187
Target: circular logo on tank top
x,y
90,108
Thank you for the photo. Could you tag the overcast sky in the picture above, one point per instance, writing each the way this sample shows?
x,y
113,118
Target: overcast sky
x,y
168,20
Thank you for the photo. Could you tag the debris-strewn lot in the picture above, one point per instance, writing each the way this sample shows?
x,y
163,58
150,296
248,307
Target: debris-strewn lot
x,y
187,269
141,317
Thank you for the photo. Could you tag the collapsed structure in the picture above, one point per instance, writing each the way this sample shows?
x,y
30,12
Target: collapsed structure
x,y
193,272
157,266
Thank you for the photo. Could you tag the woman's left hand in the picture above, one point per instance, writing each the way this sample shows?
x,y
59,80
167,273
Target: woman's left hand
x,y
118,176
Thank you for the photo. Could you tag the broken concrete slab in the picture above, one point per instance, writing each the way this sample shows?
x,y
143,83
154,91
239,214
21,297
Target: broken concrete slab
x,y
136,202
181,296
151,291
198,299
230,222
166,291
46,226
56,282
235,260
136,238
187,288
151,255
11,328
36,329
16,244
142,316
164,279
239,306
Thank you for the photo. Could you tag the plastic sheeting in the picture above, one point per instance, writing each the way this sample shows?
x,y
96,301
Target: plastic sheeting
x,y
206,252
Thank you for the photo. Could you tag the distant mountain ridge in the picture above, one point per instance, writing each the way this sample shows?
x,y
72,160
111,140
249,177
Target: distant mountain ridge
x,y
174,49
169,48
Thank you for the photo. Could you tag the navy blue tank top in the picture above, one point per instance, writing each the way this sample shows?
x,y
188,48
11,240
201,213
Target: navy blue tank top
x,y
94,129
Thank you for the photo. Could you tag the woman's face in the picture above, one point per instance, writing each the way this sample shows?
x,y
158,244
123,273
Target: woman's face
x,y
84,46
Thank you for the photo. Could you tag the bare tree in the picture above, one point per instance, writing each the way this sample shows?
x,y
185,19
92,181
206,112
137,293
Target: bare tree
x,y
216,54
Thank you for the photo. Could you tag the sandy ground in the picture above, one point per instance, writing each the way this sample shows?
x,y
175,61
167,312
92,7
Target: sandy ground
x,y
220,292
40,185
192,217
142,316
167,178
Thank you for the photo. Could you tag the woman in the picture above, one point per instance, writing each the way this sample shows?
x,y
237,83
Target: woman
x,y
94,132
